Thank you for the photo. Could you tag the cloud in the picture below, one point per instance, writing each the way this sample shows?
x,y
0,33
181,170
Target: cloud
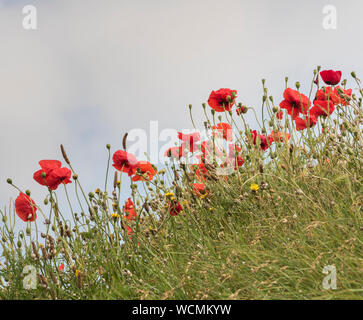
x,y
94,70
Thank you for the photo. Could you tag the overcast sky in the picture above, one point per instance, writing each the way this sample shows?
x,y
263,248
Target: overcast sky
x,y
96,69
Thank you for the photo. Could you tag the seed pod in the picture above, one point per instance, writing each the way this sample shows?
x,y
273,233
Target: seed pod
x,y
124,139
64,154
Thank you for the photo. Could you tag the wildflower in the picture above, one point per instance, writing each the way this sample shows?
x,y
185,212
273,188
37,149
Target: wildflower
x,y
279,115
25,207
51,174
175,208
115,215
224,130
308,121
234,156
77,272
331,77
295,102
222,99
254,187
265,142
241,109
169,194
200,170
280,136
61,267
189,141
174,152
129,208
200,190
322,108
124,162
144,171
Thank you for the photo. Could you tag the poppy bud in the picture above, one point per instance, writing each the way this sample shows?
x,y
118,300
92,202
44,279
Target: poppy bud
x,y
9,181
204,105
319,68
27,192
45,201
190,107
75,177
275,109
297,84
353,74
271,98
263,82
108,146
213,112
27,231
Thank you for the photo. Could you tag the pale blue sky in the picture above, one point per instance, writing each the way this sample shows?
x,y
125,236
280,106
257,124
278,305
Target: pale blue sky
x,y
96,69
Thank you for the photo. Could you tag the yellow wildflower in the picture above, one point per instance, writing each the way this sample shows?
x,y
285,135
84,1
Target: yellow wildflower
x,y
254,187
77,272
115,215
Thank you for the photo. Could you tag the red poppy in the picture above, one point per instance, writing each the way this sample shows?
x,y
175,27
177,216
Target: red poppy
x,y
295,102
234,156
279,115
174,152
61,267
189,141
175,208
346,94
280,136
200,189
222,99
51,174
25,207
331,77
144,168
225,130
327,93
200,171
265,142
129,209
241,109
308,121
322,108
124,162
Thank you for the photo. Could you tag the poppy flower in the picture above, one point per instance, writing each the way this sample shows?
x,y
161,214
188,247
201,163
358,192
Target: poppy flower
x,y
175,208
327,93
344,96
279,115
322,108
222,99
51,174
234,156
144,168
200,170
225,130
241,109
189,141
124,162
174,152
331,77
61,267
25,207
210,151
308,121
295,102
280,136
265,142
129,208
200,190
